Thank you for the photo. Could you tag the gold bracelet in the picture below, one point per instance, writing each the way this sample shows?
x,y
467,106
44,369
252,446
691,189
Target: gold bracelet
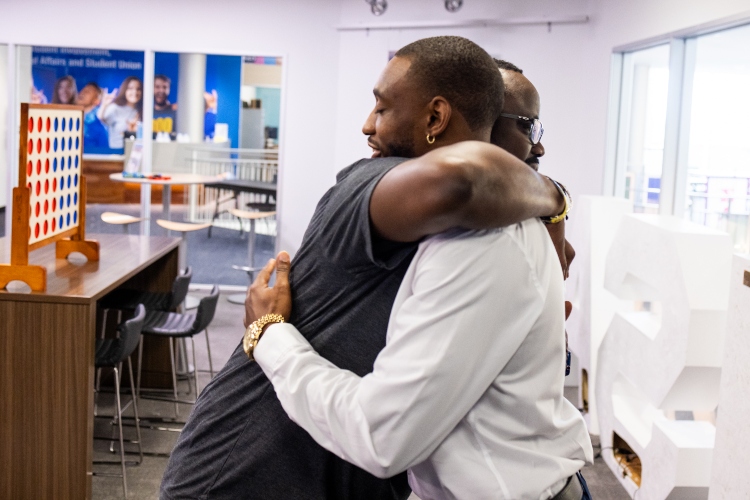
x,y
255,331
568,204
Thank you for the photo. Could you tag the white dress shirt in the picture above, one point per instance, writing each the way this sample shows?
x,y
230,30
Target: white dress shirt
x,y
468,392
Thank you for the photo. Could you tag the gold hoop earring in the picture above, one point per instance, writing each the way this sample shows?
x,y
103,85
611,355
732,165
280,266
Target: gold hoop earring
x,y
430,141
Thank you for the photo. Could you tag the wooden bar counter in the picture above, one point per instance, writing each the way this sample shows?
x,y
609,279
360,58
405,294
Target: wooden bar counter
x,y
47,371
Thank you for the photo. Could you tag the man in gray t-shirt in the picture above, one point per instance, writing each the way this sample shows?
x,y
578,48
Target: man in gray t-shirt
x,y
239,442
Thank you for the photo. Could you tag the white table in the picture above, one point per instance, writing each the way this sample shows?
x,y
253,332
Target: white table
x,y
174,179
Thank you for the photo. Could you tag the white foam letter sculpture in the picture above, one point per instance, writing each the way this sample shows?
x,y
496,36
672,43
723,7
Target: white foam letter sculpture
x,y
650,363
592,228
729,475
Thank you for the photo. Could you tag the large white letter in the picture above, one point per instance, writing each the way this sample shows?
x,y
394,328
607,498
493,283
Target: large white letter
x,y
729,476
665,357
593,225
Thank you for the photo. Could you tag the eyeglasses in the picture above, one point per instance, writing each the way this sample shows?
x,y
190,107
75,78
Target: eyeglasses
x,y
536,130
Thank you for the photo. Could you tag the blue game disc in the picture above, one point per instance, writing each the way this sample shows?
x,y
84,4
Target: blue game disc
x,y
55,125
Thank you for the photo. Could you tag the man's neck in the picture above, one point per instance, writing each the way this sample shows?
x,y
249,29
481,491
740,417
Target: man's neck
x,y
162,107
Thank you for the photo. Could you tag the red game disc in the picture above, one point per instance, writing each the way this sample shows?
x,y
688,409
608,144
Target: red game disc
x,y
46,206
37,209
46,186
39,166
46,162
46,146
31,124
54,223
36,230
38,187
54,204
54,184
39,145
29,169
31,146
48,124
39,124
45,227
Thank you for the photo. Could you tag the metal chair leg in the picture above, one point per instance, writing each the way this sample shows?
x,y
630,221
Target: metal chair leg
x,y
195,368
119,424
135,411
174,376
208,348
140,366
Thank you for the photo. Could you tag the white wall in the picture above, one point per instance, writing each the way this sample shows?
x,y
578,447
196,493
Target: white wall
x,y
330,74
569,64
301,31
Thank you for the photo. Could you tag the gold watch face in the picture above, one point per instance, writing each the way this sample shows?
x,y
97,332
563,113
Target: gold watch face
x,y
247,340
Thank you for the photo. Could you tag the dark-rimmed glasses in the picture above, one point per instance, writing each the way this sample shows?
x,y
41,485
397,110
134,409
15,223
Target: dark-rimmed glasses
x,y
535,132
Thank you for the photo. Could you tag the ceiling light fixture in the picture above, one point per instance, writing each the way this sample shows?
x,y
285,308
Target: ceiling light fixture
x,y
453,5
378,7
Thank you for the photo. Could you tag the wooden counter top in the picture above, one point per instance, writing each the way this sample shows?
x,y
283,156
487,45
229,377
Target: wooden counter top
x,y
79,281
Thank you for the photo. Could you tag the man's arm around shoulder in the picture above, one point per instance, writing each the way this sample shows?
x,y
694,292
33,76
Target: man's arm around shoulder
x,y
471,184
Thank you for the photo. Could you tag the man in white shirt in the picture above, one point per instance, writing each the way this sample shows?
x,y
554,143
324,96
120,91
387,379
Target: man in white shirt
x,y
467,393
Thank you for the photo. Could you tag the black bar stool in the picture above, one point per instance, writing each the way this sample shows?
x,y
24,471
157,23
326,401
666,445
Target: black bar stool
x,y
175,326
111,353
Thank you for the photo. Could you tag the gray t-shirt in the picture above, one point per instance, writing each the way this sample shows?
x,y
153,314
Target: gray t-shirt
x,y
238,441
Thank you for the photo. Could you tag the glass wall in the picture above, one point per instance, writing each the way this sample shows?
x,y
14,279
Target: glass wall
x,y
718,159
682,129
642,121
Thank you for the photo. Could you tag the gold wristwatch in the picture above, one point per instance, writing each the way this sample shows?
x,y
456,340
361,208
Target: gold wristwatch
x,y
255,330
568,204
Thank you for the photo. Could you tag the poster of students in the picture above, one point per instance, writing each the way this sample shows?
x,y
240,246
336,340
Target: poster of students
x,y
109,85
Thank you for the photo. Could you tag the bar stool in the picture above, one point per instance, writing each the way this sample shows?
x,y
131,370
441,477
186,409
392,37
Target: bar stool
x,y
184,228
249,269
120,219
111,353
128,300
125,299
176,326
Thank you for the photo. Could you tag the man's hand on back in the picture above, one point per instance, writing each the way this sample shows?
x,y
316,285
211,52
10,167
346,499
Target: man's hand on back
x,y
565,251
262,299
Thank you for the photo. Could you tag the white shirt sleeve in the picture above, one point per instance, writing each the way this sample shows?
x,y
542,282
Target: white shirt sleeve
x,y
470,305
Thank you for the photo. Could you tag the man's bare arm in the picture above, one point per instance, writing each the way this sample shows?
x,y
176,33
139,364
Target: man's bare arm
x,y
472,184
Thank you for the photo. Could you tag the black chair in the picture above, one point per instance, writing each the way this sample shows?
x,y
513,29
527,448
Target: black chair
x,y
153,301
127,300
174,326
112,353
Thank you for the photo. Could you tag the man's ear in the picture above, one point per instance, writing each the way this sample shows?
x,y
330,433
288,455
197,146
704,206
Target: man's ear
x,y
439,116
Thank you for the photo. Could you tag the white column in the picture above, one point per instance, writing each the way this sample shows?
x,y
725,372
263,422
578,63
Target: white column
x,y
191,106
148,127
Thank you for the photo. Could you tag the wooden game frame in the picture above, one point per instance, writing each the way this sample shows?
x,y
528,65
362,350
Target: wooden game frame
x,y
68,241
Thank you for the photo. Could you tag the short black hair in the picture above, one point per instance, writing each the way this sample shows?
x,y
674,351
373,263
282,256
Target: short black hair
x,y
508,66
93,84
163,77
460,71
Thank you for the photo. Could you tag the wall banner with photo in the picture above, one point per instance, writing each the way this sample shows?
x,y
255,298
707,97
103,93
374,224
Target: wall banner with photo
x,y
107,83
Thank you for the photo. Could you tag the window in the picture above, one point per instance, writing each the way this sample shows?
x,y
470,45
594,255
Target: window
x,y
680,145
643,105
718,117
